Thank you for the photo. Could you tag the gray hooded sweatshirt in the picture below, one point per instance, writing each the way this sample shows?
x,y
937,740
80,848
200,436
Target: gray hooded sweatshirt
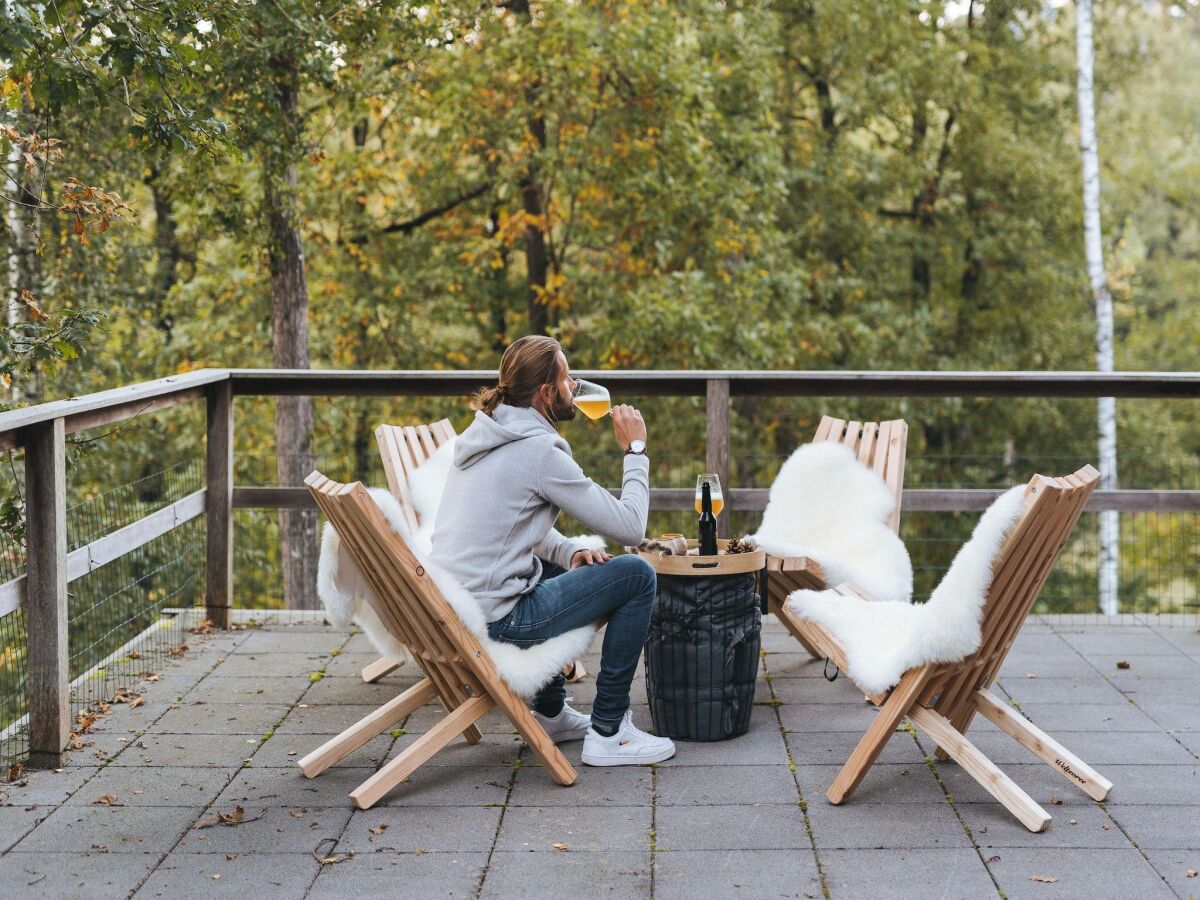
x,y
512,475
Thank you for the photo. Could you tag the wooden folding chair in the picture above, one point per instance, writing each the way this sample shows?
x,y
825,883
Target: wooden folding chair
x,y
458,671
880,446
942,699
403,449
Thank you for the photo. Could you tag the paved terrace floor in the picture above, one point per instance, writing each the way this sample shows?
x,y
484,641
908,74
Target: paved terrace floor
x,y
223,726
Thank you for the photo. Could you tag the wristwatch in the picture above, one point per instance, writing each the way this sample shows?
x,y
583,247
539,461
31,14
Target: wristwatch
x,y
636,448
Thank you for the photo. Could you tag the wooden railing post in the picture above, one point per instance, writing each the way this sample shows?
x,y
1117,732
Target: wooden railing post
x,y
46,593
218,503
716,457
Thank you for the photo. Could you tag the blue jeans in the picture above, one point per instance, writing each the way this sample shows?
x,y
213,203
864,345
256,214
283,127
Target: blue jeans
x,y
622,589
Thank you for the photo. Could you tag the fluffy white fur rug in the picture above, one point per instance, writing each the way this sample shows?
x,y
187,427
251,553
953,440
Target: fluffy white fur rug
x,y
348,597
828,506
883,640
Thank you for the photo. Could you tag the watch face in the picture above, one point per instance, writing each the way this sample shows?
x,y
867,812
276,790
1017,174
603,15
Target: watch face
x,y
637,446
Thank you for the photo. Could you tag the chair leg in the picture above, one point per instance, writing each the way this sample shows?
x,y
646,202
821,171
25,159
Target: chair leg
x,y
982,769
539,742
902,698
1041,745
378,669
420,751
368,727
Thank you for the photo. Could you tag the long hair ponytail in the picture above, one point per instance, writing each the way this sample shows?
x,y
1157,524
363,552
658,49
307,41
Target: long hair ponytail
x,y
528,364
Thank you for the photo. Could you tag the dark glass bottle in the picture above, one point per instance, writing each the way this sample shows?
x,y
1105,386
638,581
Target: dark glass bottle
x,y
708,523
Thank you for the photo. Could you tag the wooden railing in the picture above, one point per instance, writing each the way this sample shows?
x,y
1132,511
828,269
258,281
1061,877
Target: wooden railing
x,y
42,430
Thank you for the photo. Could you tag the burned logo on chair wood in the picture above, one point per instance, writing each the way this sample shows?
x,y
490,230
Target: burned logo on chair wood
x,y
1068,771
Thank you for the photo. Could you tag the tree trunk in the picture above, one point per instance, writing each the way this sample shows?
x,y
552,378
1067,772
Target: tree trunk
x,y
289,342
167,250
533,199
1110,525
24,265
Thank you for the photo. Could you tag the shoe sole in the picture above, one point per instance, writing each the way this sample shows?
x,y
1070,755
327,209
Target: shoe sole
x,y
628,760
570,736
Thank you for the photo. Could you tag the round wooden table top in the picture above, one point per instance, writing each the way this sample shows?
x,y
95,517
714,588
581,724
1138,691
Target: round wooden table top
x,y
699,566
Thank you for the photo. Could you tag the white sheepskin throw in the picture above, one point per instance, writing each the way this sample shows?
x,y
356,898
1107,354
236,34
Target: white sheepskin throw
x,y
828,506
883,640
348,598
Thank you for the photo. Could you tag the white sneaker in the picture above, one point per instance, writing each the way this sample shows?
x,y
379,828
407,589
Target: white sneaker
x,y
630,746
568,725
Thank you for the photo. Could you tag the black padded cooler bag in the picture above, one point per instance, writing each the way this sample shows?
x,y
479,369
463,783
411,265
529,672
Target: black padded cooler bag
x,y
702,655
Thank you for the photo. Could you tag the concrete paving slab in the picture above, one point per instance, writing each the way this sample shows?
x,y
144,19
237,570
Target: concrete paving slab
x,y
327,720
80,876
993,827
115,829
833,748
288,787
1086,689
881,826
1112,717
883,783
491,750
725,784
804,717
46,787
736,873
136,786
605,786
763,827
266,830
452,786
1172,716
1080,873
270,689
455,874
220,718
762,745
351,690
538,876
1173,867
1097,748
1173,665
1149,785
218,751
250,665
284,640
1160,827
18,821
275,875
540,828
885,874
284,751
428,828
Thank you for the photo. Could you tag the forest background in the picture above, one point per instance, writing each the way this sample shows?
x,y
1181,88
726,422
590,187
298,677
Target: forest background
x,y
887,184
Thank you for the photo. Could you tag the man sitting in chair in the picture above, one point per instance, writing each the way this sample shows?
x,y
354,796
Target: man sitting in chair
x,y
495,533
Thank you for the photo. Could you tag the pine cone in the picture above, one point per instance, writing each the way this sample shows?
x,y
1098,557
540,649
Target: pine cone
x,y
741,545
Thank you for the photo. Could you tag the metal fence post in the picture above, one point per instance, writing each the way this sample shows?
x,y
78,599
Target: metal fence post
x,y
46,593
218,503
716,456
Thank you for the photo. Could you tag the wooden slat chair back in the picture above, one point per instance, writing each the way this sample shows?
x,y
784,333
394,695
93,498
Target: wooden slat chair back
x,y
880,446
458,671
403,448
943,699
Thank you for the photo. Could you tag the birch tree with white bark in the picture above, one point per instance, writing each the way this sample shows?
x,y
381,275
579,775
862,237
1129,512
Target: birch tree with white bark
x,y
1110,526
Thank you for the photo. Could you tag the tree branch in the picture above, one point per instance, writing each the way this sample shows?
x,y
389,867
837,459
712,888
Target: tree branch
x,y
416,222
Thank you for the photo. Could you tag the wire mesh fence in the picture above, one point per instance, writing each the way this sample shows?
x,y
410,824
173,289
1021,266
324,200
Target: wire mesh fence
x,y
117,631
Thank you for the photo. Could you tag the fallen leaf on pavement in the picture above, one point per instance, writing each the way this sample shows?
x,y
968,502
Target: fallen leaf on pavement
x,y
106,800
1191,873
1122,664
1044,879
560,846
1054,801
379,829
